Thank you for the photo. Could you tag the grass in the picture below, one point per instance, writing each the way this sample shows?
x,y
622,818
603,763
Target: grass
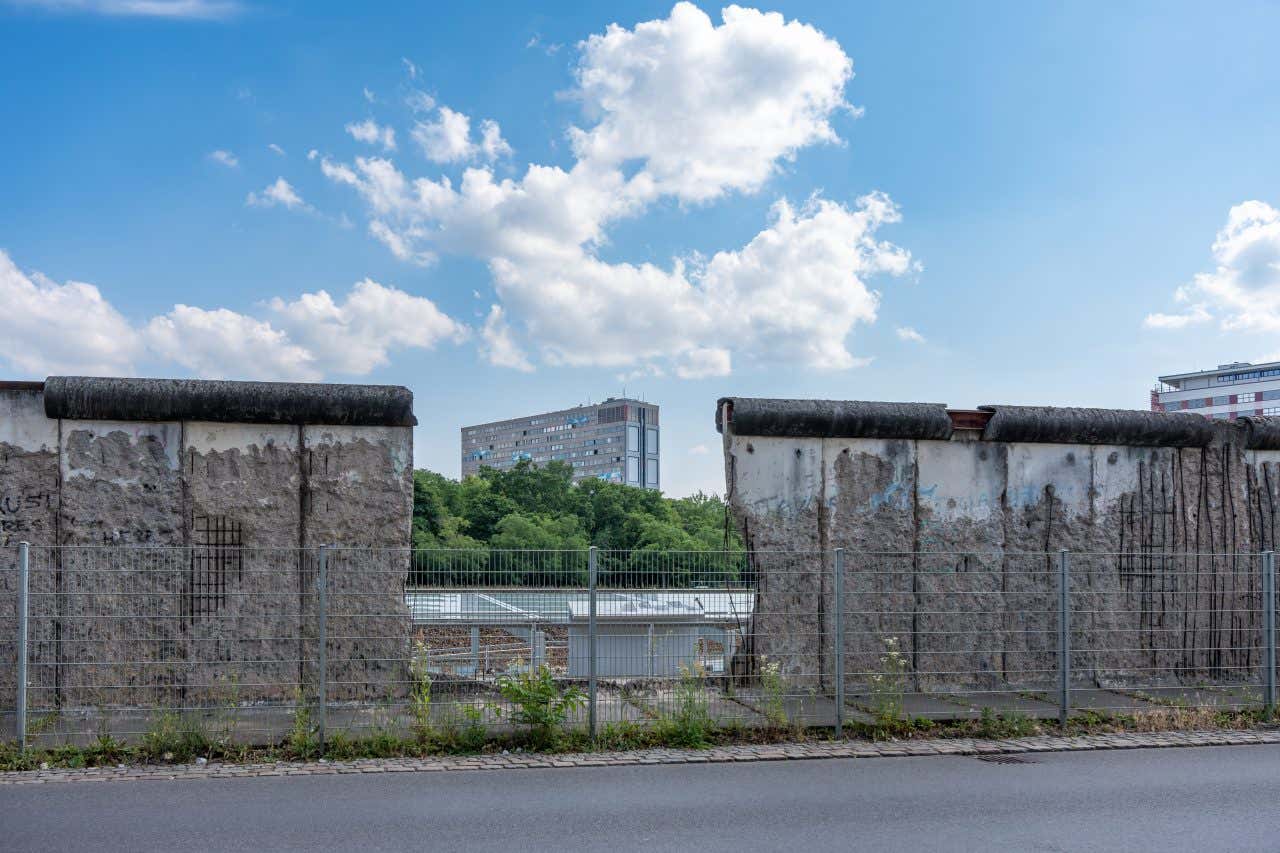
x,y
173,740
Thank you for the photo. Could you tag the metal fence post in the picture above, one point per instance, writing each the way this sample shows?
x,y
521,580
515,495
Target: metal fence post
x,y
1269,630
1064,636
838,605
24,595
322,631
592,570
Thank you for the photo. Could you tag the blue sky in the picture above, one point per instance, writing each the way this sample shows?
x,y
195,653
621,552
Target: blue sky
x,y
1005,202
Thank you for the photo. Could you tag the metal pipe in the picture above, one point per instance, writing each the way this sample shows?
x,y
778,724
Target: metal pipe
x,y
592,571
1064,637
838,606
322,630
1269,630
24,596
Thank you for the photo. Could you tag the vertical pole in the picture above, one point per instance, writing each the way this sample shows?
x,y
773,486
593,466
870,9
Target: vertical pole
x,y
592,571
1269,630
1064,636
475,649
24,589
533,647
322,630
838,606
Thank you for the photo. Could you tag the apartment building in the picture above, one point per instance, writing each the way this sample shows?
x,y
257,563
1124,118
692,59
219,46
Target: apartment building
x,y
1229,391
616,440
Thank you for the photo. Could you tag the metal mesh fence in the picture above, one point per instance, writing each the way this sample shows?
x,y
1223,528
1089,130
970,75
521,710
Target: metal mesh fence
x,y
250,643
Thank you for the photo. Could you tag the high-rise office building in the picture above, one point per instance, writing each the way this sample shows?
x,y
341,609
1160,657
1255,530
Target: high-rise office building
x,y
616,440
1231,390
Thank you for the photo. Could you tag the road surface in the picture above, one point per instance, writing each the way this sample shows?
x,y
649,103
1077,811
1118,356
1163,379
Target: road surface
x,y
1166,800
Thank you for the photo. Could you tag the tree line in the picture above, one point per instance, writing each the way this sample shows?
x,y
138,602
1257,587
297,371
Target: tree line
x,y
467,531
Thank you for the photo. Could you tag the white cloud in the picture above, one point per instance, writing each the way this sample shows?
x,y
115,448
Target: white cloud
x,y
792,294
400,245
62,328
225,158
313,154
447,139
279,193
72,328
224,344
708,108
498,347
368,95
1243,291
356,335
491,142
370,132
535,41
276,148
704,362
419,101
308,338
410,68
210,10
699,450
910,335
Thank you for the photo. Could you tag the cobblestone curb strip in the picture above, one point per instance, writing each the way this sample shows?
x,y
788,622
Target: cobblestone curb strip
x,y
723,754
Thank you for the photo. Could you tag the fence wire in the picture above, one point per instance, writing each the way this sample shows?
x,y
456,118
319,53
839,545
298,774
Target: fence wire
x,y
249,641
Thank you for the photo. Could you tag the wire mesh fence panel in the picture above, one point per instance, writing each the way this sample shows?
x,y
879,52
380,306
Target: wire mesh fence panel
x,y
122,641
258,645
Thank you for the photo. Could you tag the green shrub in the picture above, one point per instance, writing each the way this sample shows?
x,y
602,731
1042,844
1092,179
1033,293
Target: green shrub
x,y
540,704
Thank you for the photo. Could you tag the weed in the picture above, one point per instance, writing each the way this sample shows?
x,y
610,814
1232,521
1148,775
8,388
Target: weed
x,y
993,726
540,703
420,694
174,738
462,732
303,741
775,709
888,684
690,723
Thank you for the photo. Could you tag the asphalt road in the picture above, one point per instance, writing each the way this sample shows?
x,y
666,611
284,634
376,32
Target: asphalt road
x,y
1166,800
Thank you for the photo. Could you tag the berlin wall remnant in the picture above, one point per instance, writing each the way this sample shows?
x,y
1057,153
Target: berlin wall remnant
x,y
230,486
950,521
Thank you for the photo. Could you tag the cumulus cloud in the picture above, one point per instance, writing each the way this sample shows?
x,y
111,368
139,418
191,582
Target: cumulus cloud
x,y
910,335
708,108
279,193
222,343
370,132
72,328
498,347
447,139
492,145
766,88
225,158
356,334
699,450
1243,290
62,328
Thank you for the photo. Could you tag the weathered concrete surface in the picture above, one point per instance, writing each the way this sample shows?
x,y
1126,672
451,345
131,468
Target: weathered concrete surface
x,y
951,545
219,604
360,497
